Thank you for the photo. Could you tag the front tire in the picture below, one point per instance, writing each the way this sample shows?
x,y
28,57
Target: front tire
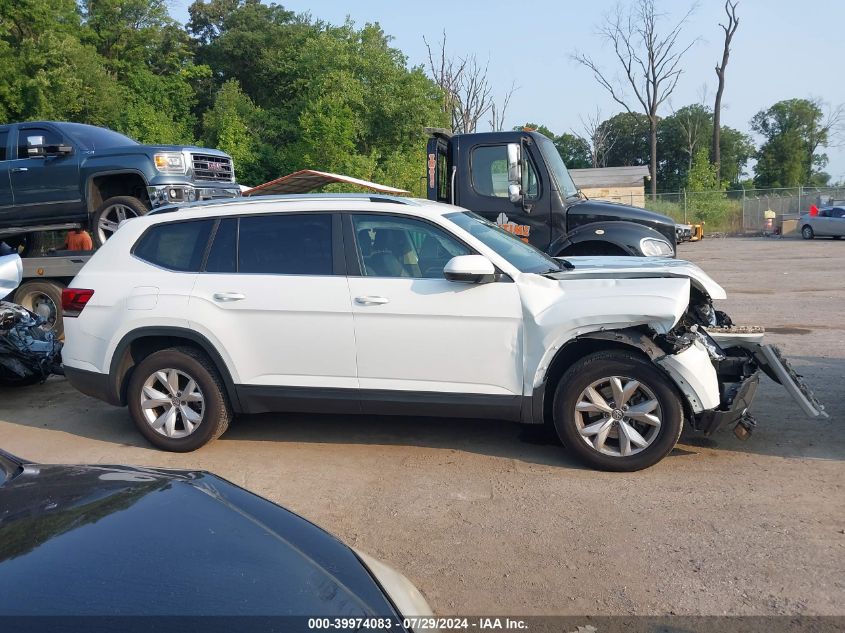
x,y
807,232
107,217
177,400
616,411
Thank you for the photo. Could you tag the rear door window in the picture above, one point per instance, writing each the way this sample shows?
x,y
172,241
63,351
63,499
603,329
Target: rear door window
x,y
223,255
178,246
4,140
286,244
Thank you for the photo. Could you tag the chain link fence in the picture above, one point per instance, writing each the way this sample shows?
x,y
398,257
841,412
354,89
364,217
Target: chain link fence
x,y
742,211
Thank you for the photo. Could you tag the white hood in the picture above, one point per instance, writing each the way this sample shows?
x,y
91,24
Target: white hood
x,y
642,267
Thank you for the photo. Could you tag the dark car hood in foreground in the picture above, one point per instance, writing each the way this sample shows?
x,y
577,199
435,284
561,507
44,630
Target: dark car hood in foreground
x,y
115,540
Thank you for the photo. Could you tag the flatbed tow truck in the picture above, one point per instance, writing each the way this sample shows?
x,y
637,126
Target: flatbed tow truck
x,y
45,276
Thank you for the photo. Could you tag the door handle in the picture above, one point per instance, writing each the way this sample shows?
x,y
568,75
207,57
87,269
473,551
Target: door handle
x,y
228,296
371,301
16,170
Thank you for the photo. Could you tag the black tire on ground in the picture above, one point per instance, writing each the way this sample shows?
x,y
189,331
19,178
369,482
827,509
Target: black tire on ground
x,y
45,298
605,364
108,215
216,415
807,232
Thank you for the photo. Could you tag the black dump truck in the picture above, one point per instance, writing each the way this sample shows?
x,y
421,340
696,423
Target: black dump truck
x,y
518,180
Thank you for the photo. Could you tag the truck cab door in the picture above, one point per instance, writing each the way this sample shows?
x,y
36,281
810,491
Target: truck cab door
x,y
6,199
484,189
45,182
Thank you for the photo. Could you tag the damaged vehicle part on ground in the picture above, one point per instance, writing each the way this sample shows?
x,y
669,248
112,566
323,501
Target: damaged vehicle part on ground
x,y
402,307
28,352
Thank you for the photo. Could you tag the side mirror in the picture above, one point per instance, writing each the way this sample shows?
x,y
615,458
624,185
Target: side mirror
x,y
473,269
11,273
63,150
515,172
36,151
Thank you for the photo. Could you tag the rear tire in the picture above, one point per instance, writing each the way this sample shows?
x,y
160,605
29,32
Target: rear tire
x,y
601,435
45,299
807,232
107,217
177,400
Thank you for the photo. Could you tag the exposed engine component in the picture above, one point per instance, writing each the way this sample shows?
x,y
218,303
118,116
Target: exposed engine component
x,y
28,353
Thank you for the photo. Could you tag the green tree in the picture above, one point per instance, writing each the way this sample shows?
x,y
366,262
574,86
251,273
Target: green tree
x,y
628,139
690,128
573,150
706,194
233,125
793,130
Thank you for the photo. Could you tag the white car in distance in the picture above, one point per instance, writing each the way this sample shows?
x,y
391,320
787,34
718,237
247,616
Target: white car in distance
x,y
373,304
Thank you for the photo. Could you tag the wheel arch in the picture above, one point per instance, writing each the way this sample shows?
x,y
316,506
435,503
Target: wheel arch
x,y
618,234
140,343
106,184
629,339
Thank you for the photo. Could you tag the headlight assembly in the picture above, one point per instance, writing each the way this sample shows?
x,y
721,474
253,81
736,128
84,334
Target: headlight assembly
x,y
653,247
169,163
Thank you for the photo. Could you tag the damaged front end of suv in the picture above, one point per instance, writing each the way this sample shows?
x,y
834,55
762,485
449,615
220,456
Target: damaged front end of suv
x,y
738,356
28,352
665,309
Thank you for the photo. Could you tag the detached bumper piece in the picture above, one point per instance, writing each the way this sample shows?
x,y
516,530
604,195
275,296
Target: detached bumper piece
x,y
734,411
746,356
28,354
777,367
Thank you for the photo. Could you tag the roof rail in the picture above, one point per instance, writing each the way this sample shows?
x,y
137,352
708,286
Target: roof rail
x,y
286,197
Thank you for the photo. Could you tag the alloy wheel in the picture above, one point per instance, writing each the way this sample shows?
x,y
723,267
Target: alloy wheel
x,y
618,416
172,403
110,219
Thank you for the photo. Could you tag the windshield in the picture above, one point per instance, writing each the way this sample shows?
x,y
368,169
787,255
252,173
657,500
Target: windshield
x,y
520,255
558,170
90,137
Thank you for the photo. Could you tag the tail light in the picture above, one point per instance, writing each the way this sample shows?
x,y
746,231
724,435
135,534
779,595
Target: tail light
x,y
74,301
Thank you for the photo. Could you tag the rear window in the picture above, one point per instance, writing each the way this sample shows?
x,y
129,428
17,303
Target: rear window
x,y
285,244
178,246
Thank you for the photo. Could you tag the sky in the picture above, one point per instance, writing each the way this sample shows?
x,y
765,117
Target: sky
x,y
783,49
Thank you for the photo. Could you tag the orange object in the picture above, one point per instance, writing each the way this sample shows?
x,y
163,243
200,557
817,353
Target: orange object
x,y
78,241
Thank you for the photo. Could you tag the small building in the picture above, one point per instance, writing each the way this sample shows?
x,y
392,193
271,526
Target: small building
x,y
615,184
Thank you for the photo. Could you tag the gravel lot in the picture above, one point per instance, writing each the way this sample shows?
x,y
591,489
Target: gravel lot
x,y
490,518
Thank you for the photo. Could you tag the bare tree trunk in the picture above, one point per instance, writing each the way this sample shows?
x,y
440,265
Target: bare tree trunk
x,y
730,29
652,125
650,61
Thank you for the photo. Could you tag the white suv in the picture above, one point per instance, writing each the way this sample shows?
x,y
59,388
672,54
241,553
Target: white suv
x,y
383,305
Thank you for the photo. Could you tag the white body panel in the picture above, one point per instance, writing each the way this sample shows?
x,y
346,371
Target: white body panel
x,y
286,330
430,335
694,373
438,335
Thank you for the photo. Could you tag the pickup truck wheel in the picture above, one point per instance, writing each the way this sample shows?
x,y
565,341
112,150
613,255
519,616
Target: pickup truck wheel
x,y
616,411
807,232
107,217
177,399
44,298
